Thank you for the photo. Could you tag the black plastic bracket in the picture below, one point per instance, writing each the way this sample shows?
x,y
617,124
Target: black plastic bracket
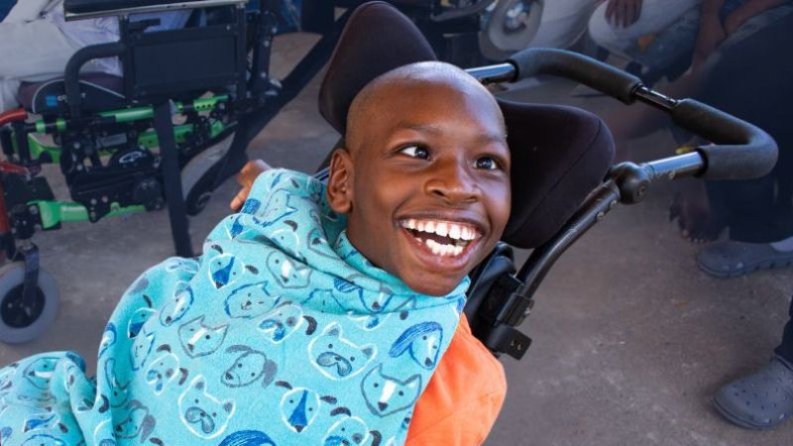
x,y
509,340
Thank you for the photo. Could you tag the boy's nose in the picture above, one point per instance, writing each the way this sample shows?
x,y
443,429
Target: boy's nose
x,y
453,182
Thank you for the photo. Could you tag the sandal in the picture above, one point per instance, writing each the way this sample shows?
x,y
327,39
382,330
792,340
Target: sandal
x,y
759,401
731,258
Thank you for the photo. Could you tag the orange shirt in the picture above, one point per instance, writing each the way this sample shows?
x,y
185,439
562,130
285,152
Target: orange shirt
x,y
464,395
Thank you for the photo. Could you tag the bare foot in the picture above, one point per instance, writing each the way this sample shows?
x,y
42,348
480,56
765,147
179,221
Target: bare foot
x,y
698,223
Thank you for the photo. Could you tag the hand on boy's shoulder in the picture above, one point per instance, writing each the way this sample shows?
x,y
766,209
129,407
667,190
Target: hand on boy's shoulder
x,y
248,174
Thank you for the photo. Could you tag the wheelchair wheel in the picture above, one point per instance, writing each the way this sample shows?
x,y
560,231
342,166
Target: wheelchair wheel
x,y
20,323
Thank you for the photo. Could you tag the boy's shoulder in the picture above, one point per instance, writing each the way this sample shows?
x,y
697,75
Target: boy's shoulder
x,y
290,181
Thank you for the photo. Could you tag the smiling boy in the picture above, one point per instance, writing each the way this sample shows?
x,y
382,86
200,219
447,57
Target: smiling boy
x,y
417,121
426,168
315,315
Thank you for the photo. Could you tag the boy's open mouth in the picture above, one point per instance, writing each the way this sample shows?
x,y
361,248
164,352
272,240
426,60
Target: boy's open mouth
x,y
443,238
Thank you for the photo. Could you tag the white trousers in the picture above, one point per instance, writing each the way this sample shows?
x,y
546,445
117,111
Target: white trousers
x,y
563,22
30,51
656,15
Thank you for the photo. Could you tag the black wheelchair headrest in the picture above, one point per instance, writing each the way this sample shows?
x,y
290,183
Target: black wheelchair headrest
x,y
559,153
376,39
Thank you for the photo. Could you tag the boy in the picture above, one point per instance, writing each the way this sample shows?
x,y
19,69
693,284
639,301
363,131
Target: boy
x,y
315,315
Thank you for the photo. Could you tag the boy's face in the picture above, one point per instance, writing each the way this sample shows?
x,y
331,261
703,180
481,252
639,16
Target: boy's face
x,y
425,181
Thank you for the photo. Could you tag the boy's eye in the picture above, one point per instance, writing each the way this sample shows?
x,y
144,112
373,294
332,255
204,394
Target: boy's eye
x,y
487,163
415,152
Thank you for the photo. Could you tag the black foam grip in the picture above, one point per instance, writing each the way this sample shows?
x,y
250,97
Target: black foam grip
x,y
586,70
740,150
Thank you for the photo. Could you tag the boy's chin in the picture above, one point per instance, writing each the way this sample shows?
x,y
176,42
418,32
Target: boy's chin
x,y
435,289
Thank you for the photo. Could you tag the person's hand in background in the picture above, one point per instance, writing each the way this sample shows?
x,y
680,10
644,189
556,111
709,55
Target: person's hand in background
x,y
248,174
623,13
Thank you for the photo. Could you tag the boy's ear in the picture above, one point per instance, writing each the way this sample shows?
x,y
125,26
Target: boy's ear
x,y
340,175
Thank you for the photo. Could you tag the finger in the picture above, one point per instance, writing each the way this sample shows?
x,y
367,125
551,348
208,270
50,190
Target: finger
x,y
238,200
245,172
610,11
627,14
235,203
240,178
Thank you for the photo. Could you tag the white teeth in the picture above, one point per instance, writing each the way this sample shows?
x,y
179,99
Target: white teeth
x,y
444,229
455,231
443,250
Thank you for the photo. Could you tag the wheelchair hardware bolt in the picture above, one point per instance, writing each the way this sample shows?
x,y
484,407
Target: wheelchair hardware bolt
x,y
93,201
600,215
613,204
33,210
104,199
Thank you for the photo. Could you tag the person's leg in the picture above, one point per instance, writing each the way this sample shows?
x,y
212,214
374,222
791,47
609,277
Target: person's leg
x,y
785,348
5,6
754,24
30,51
763,399
656,15
563,22
751,81
670,51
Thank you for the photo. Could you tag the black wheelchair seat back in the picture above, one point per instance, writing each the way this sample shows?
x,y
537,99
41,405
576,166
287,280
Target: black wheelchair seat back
x,y
560,153
180,63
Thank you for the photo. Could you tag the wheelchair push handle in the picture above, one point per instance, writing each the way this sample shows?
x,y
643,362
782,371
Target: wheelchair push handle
x,y
740,150
583,69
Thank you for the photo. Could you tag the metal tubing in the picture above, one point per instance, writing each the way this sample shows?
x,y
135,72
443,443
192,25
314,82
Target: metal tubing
x,y
594,208
69,15
491,74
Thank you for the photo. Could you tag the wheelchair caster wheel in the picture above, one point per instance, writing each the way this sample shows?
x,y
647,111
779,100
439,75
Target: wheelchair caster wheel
x,y
20,322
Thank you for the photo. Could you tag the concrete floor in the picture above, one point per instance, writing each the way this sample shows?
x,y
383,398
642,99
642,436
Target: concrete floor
x,y
630,339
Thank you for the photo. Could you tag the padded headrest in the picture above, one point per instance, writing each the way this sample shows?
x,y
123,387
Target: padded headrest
x,y
376,39
559,153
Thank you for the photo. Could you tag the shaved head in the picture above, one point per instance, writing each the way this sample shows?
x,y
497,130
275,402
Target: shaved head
x,y
373,98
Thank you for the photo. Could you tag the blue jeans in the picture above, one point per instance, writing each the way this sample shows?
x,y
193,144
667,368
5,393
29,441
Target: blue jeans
x,y
5,6
671,52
